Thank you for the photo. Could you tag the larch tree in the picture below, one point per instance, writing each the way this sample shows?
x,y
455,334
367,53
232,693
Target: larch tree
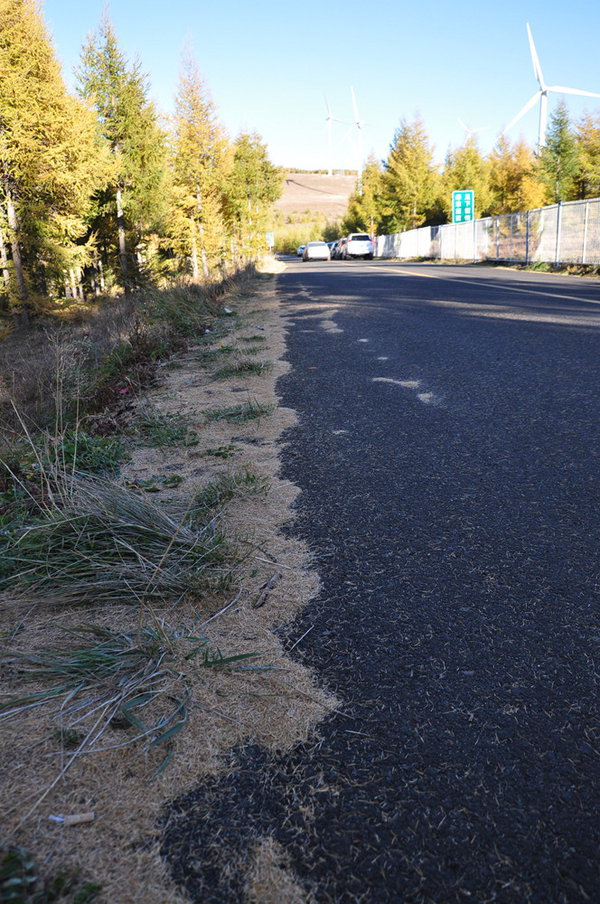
x,y
466,168
252,186
364,204
410,179
588,147
132,204
200,161
513,181
50,161
558,159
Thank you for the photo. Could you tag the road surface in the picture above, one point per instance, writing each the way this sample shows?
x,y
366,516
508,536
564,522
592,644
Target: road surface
x,y
447,453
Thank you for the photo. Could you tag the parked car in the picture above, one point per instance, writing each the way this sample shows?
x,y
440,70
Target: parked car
x,y
339,250
316,251
359,244
300,250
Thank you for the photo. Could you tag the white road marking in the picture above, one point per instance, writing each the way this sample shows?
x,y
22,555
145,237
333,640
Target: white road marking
x,y
427,398
487,285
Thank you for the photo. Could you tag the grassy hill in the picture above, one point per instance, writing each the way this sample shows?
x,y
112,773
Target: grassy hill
x,y
310,204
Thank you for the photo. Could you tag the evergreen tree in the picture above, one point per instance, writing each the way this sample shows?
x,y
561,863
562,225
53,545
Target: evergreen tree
x,y
588,146
465,168
252,186
133,203
558,159
200,162
50,161
410,180
513,180
364,205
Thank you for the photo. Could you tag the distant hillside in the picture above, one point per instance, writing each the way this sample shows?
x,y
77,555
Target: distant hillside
x,y
317,193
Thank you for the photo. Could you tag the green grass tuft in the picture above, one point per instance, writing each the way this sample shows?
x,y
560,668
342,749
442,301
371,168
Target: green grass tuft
x,y
239,414
245,367
99,543
225,488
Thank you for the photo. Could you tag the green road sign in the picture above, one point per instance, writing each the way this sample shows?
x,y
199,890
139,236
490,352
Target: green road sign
x,y
463,206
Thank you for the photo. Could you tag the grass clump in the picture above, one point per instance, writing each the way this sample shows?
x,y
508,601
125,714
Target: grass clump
x,y
225,488
102,682
227,451
239,414
95,542
161,431
246,367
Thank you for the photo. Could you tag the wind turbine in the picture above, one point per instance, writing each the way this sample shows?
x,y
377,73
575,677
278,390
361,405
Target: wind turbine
x,y
329,119
359,123
470,132
542,95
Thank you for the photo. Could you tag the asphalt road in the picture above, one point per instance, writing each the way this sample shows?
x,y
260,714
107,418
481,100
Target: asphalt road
x,y
447,453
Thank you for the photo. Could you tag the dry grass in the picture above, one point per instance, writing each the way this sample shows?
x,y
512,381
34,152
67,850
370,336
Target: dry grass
x,y
275,708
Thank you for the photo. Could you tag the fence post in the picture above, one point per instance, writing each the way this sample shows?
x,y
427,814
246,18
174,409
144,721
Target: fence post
x,y
527,238
497,230
558,226
585,232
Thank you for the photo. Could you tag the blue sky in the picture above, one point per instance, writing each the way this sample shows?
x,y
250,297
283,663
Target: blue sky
x,y
269,66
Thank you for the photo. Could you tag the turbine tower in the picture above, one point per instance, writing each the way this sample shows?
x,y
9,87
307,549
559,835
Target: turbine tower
x,y
359,123
542,95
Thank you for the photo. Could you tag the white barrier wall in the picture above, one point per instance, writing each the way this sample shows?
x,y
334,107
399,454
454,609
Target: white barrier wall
x,y
562,233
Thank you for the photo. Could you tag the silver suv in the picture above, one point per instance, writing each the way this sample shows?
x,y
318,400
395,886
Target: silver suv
x,y
359,244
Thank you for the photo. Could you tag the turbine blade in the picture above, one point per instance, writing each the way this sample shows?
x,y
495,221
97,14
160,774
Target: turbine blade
x,y
559,89
535,59
329,116
530,103
355,108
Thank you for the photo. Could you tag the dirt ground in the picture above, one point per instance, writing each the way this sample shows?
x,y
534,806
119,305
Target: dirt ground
x,y
274,708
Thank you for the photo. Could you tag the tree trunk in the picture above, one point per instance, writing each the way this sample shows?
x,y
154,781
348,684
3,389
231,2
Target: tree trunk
x,y
122,247
4,262
101,272
194,259
13,224
203,252
201,228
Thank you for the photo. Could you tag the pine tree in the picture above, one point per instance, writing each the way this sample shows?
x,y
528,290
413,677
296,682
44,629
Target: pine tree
x,y
132,204
410,179
200,159
49,160
253,185
558,159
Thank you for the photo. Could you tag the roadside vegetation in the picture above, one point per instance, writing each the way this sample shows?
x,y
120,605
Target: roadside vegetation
x,y
108,581
97,196
125,248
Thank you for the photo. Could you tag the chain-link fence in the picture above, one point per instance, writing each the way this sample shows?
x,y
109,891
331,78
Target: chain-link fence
x,y
563,233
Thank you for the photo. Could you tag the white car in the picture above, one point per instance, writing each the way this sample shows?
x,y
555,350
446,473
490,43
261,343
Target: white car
x,y
358,244
316,251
